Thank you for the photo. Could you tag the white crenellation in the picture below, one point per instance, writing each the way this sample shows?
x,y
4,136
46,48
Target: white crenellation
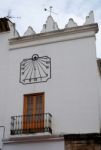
x,y
50,25
71,23
29,31
90,18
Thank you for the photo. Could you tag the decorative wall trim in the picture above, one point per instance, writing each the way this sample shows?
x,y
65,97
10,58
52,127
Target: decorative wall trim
x,y
78,137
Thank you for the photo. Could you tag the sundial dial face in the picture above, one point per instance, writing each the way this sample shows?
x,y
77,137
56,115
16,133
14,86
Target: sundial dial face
x,y
35,69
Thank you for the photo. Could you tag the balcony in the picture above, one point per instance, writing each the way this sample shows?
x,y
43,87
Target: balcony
x,y
29,124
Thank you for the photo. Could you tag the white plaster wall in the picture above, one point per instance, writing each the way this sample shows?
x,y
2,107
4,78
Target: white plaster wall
x,y
4,60
36,146
71,94
3,75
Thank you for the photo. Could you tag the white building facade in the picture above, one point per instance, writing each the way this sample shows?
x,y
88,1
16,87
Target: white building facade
x,y
49,85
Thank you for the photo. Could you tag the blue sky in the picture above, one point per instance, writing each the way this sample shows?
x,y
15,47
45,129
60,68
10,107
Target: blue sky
x,y
32,13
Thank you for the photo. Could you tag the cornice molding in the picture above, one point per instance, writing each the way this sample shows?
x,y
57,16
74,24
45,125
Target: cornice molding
x,y
54,36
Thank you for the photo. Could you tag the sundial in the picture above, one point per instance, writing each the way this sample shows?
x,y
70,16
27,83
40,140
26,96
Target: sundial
x,y
35,69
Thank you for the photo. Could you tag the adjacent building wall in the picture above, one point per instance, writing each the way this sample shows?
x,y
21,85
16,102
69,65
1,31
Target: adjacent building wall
x,y
99,87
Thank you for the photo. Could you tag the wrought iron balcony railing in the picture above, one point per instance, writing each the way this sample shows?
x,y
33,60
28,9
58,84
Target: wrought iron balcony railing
x,y
28,124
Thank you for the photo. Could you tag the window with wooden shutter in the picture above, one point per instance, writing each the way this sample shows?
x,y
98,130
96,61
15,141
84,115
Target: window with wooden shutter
x,y
33,111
